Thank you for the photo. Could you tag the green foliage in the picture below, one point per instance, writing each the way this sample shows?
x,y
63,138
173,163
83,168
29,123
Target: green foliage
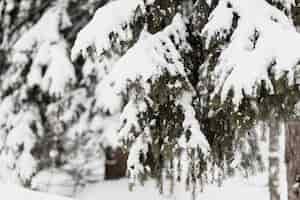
x,y
278,101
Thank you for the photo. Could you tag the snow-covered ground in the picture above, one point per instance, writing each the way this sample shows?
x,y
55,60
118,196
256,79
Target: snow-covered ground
x,y
12,192
233,189
236,189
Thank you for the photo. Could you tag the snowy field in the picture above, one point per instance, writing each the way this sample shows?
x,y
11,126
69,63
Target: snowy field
x,y
11,192
234,189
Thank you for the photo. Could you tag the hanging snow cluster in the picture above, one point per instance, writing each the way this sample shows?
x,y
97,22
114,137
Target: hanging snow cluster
x,y
46,46
102,49
255,44
21,129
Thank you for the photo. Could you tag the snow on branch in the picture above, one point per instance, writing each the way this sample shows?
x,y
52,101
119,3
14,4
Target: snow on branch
x,y
287,4
59,72
258,41
114,18
47,29
191,124
52,69
24,129
113,29
156,54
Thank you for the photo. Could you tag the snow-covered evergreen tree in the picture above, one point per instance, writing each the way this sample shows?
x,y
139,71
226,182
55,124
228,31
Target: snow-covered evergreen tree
x,y
179,85
254,55
30,82
40,73
151,98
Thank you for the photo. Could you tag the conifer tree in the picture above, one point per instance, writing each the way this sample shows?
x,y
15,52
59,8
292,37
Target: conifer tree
x,y
152,97
179,85
36,74
252,51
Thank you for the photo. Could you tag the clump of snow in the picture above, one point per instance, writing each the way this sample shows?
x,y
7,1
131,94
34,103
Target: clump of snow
x,y
51,68
255,44
69,106
27,165
130,117
59,73
139,147
108,125
197,138
46,30
55,181
120,12
19,139
107,39
152,52
6,108
220,23
21,133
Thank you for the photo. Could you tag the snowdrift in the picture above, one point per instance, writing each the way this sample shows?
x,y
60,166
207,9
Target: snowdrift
x,y
17,193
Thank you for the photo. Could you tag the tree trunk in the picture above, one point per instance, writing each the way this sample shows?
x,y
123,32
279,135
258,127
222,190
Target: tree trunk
x,y
293,158
274,160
